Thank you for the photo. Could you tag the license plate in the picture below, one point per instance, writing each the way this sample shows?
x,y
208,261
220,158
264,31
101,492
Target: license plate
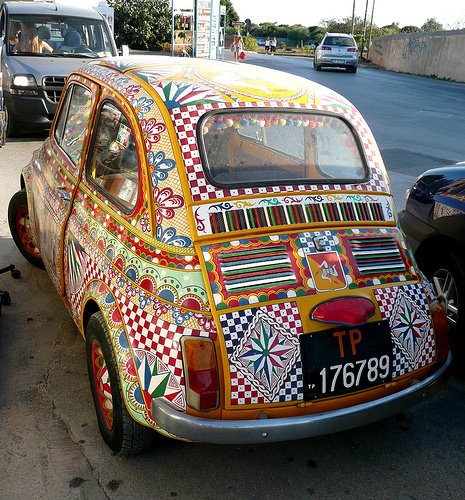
x,y
343,360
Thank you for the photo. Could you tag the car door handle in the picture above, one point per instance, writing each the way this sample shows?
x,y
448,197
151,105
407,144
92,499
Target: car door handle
x,y
63,194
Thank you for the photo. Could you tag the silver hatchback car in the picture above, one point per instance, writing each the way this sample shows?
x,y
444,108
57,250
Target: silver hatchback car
x,y
337,50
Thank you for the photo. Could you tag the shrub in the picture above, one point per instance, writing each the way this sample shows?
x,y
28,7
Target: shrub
x,y
250,44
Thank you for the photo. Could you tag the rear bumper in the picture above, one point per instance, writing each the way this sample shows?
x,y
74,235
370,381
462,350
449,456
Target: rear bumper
x,y
343,63
285,429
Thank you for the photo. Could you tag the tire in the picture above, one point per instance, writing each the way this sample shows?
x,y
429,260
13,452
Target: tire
x,y
20,228
353,70
119,430
447,274
317,67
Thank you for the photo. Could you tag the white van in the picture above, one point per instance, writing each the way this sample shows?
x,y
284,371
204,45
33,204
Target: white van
x,y
40,44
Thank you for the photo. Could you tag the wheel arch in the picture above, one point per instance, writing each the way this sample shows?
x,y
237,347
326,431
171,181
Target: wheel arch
x,y
431,247
96,299
90,308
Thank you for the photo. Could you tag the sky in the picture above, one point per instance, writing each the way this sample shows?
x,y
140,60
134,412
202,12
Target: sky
x,y
450,13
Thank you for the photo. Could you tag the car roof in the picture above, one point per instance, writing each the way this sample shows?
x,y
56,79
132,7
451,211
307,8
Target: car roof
x,y
218,81
339,34
47,8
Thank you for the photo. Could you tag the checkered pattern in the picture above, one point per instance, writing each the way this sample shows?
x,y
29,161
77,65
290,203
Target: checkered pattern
x,y
244,388
153,334
386,298
330,239
185,120
389,300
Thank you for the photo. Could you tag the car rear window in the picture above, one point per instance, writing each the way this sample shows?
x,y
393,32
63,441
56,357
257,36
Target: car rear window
x,y
339,41
278,147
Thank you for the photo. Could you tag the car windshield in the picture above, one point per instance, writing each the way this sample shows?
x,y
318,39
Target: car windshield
x,y
58,36
278,147
339,41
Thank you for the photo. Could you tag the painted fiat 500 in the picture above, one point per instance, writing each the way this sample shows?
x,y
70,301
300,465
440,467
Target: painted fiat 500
x,y
226,241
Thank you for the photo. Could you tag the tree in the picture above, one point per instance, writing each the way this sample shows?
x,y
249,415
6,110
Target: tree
x,y
410,29
432,25
390,29
315,34
297,34
231,14
343,25
142,24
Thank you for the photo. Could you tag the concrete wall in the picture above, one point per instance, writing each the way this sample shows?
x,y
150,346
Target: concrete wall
x,y
440,53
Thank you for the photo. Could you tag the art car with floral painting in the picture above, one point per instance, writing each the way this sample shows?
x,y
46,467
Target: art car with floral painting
x,y
226,241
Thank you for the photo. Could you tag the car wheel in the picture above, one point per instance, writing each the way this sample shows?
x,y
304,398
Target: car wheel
x,y
317,67
447,274
20,228
353,70
119,430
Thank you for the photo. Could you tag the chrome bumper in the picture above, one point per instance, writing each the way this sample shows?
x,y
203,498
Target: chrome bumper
x,y
284,429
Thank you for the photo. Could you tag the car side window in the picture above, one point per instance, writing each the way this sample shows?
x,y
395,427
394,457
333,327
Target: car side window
x,y
72,121
113,163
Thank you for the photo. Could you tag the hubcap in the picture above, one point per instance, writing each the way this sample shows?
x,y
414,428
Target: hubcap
x,y
446,288
23,228
102,384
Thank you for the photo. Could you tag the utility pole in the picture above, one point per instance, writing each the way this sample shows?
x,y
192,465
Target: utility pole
x,y
353,18
371,28
364,29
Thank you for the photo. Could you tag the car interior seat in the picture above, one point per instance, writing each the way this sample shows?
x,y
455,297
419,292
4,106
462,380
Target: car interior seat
x,y
44,34
72,39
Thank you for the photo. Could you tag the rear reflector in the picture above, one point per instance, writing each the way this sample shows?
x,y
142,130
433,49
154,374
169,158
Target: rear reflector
x,y
350,311
201,373
441,329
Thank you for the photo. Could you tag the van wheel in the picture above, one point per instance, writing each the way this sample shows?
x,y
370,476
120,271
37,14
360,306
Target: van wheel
x,y
20,228
447,274
119,430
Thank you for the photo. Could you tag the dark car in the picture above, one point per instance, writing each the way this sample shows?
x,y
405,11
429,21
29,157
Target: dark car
x,y
434,222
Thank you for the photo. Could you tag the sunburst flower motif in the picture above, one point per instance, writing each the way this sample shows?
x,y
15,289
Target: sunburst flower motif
x,y
165,203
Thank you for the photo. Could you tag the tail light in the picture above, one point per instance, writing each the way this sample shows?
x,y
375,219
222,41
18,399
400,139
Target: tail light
x,y
441,329
325,48
344,311
201,373
352,49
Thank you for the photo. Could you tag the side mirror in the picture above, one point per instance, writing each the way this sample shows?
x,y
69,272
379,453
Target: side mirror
x,y
124,50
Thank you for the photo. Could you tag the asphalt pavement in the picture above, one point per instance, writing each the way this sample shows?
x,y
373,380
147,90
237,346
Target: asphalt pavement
x,y
51,447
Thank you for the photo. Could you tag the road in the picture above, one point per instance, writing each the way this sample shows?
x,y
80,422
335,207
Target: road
x,y
418,122
51,447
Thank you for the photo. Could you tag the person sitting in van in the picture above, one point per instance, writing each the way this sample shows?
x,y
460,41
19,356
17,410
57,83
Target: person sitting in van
x,y
15,30
30,42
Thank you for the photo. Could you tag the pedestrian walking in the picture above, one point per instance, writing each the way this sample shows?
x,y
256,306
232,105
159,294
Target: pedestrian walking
x,y
237,44
267,45
273,44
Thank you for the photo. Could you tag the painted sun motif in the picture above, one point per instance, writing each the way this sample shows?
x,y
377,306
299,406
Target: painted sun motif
x,y
410,328
266,354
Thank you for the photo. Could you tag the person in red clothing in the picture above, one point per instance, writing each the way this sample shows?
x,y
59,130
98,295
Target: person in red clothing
x,y
237,43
